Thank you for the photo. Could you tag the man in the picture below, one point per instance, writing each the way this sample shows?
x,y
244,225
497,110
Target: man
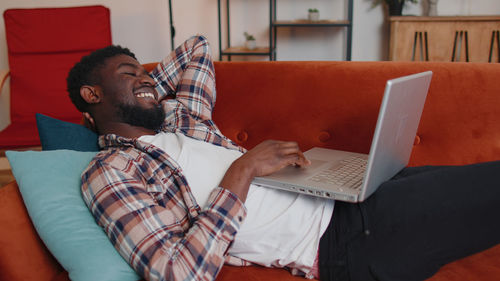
x,y
175,197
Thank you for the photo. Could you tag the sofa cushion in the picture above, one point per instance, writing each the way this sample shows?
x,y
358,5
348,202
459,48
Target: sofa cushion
x,y
56,134
49,182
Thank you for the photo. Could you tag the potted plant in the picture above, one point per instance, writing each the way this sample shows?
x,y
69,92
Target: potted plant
x,y
431,9
313,14
250,42
395,6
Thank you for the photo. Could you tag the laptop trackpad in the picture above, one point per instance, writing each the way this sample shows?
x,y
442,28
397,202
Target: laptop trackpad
x,y
291,172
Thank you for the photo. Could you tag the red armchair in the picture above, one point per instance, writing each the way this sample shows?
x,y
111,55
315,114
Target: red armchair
x,y
43,44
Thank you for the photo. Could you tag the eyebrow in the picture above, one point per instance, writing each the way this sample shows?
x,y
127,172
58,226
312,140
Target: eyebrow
x,y
125,64
128,64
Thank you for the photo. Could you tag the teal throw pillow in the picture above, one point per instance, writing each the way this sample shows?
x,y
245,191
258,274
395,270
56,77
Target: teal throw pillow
x,y
49,182
56,134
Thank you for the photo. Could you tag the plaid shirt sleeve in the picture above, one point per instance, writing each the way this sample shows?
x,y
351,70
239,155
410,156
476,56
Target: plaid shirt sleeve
x,y
158,237
188,73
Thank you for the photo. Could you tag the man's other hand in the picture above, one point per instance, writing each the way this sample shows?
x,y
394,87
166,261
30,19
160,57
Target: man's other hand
x,y
264,159
271,156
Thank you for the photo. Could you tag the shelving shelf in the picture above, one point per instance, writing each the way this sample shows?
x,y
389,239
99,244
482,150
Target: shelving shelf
x,y
274,24
301,23
259,51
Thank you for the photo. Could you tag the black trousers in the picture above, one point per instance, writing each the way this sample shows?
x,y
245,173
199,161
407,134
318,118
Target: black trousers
x,y
413,224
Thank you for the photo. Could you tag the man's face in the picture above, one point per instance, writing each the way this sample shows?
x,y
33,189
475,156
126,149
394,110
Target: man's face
x,y
129,93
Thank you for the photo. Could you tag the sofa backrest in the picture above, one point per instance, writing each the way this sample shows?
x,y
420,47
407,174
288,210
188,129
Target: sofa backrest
x,y
336,104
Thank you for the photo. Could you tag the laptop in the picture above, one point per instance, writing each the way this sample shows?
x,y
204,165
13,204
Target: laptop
x,y
353,177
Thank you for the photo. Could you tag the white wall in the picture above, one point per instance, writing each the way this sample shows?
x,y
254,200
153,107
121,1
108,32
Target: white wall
x,y
143,26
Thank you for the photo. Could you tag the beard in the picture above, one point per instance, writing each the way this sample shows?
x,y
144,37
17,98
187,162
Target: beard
x,y
137,116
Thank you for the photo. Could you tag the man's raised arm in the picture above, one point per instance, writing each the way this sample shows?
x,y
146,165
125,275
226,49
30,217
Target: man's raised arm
x,y
188,73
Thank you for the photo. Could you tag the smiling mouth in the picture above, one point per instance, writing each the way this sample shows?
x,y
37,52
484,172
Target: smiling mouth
x,y
145,95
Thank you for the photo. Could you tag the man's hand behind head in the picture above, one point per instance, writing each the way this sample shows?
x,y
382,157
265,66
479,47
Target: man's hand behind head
x,y
89,122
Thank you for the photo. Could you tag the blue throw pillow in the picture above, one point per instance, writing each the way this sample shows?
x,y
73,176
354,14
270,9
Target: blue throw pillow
x,y
49,182
56,134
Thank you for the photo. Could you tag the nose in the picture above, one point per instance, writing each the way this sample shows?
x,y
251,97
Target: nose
x,y
147,80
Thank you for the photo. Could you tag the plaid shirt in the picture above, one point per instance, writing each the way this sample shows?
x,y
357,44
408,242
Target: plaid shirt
x,y
139,195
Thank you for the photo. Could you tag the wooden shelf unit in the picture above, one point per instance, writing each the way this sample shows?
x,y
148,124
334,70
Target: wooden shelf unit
x,y
274,24
229,50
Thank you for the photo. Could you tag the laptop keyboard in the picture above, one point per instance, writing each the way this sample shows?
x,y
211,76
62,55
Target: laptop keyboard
x,y
349,173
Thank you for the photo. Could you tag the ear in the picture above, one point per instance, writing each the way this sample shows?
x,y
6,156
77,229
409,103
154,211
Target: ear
x,y
90,94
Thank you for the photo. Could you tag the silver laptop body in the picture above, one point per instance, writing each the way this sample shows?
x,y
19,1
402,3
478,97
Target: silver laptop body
x,y
390,151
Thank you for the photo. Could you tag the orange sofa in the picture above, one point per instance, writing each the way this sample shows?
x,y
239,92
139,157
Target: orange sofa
x,y
328,104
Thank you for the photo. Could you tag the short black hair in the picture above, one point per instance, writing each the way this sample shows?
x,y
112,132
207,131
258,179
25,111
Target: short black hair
x,y
84,72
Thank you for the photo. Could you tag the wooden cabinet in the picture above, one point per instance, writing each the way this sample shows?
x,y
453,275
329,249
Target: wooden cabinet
x,y
445,38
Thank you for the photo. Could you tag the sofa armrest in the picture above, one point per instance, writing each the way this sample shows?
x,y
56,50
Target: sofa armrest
x,y
4,73
23,256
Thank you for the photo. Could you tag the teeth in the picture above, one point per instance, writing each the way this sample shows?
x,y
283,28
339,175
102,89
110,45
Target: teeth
x,y
145,95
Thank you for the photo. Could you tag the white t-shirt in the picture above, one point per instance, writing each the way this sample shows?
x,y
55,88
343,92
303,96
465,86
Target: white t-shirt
x,y
282,228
